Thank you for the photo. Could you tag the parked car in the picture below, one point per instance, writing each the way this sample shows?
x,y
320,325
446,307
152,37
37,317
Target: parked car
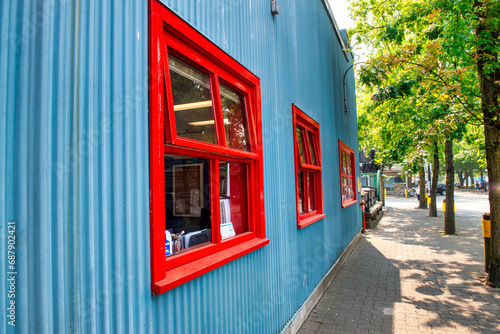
x,y
441,189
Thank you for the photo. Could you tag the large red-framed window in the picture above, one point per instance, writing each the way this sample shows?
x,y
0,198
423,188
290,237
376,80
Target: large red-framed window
x,y
206,170
308,181
347,175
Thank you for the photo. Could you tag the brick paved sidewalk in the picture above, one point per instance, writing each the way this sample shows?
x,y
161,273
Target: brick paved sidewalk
x,y
406,277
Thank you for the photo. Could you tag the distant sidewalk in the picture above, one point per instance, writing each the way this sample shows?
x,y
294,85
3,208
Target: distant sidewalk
x,y
404,276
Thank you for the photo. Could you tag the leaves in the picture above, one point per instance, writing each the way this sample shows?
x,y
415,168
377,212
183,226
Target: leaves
x,y
420,82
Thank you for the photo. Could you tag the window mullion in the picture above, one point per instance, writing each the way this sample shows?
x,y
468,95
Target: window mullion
x,y
250,198
215,201
306,191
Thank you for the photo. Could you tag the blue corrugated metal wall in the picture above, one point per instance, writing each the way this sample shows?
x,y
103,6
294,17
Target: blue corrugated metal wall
x,y
74,166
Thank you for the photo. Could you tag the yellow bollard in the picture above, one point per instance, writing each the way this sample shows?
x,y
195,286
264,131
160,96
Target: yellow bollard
x,y
385,193
486,226
406,195
444,206
486,236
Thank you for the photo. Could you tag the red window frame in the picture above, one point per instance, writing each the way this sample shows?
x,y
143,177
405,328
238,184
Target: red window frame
x,y
311,149
170,34
343,148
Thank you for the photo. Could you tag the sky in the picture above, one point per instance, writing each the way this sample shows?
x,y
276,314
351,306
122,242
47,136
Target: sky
x,y
339,9
341,14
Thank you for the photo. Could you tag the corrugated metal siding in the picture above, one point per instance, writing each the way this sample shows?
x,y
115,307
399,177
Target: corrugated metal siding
x,y
74,166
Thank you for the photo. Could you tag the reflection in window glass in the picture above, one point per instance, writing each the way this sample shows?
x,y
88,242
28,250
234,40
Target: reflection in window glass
x,y
348,164
187,203
233,199
300,141
311,148
349,188
301,203
235,122
312,192
194,116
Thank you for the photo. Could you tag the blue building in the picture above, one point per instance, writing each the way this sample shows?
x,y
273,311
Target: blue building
x,y
173,166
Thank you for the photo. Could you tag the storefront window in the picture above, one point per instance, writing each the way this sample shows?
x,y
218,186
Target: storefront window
x,y
308,169
347,175
206,169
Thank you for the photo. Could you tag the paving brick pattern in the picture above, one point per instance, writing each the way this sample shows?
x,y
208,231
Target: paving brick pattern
x,y
404,276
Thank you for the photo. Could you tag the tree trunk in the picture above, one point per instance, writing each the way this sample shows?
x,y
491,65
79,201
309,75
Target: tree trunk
x,y
471,173
449,215
466,180
487,33
492,140
422,204
482,174
461,178
435,171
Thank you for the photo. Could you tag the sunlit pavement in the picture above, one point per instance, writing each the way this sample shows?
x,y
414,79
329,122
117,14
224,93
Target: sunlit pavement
x,y
405,276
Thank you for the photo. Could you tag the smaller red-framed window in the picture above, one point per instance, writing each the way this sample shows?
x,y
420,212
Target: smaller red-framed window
x,y
308,180
347,175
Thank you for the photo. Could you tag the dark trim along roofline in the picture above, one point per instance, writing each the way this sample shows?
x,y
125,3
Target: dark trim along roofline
x,y
336,29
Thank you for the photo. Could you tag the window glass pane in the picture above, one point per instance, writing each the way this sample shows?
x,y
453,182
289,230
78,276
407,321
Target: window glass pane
x,y
301,203
311,148
348,163
301,145
233,199
312,193
235,122
187,203
350,195
194,116
344,169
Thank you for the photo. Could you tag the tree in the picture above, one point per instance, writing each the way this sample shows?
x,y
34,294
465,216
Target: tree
x,y
417,104
449,215
444,46
487,28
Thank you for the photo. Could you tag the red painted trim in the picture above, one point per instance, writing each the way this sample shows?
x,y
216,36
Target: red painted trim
x,y
183,274
190,143
196,152
349,203
156,161
303,121
171,35
309,220
217,246
311,167
346,149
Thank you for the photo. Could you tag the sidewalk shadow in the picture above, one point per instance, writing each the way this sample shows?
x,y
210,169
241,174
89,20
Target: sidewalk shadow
x,y
446,297
374,222
439,279
362,296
